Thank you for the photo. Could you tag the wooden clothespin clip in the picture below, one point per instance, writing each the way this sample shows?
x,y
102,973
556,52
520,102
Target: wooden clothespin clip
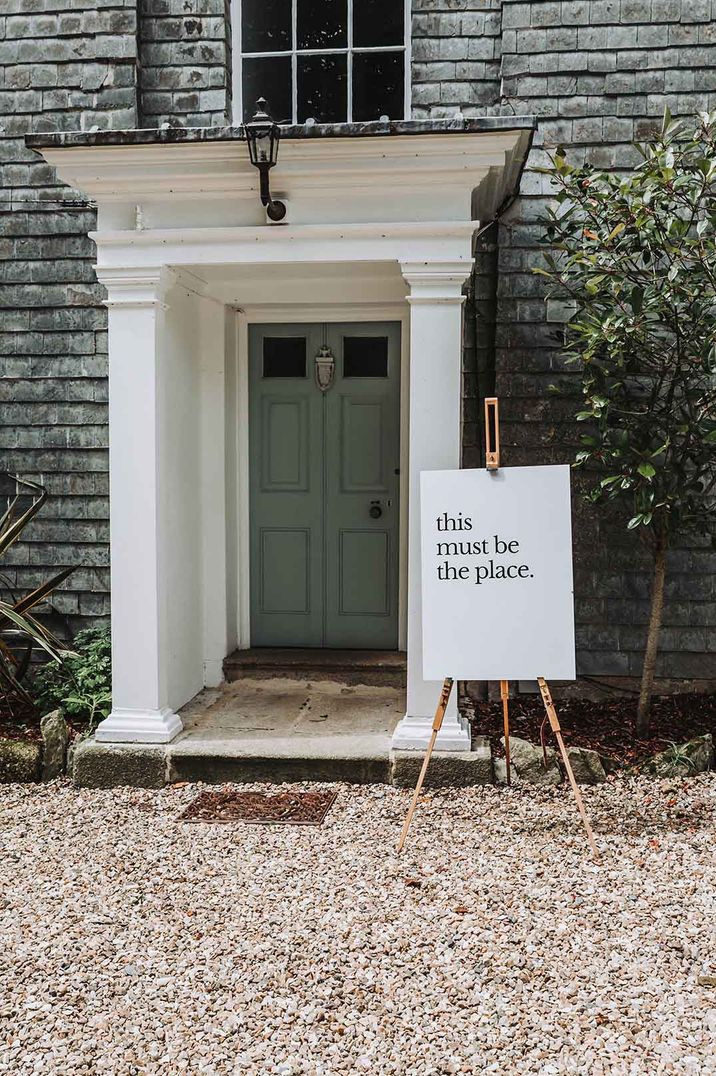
x,y
492,433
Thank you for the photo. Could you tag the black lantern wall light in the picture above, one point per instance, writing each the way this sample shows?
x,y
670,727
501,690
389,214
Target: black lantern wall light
x,y
262,136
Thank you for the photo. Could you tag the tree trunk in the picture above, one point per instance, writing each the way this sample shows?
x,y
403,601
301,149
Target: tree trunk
x,y
652,637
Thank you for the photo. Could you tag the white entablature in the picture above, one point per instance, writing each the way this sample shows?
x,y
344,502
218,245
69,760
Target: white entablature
x,y
324,174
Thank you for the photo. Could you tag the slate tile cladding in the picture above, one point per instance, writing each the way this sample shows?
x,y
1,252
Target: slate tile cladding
x,y
64,64
596,72
185,62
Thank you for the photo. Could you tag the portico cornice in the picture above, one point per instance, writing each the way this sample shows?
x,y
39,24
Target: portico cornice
x,y
448,176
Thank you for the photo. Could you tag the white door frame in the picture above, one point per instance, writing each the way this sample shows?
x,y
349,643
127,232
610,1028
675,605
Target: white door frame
x,y
278,314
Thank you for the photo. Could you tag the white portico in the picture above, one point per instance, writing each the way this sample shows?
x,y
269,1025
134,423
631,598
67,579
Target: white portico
x,y
379,230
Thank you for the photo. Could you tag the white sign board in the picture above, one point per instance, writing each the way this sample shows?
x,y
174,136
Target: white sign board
x,y
498,601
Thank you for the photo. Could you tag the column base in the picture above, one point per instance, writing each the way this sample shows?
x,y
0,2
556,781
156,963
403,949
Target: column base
x,y
139,726
413,734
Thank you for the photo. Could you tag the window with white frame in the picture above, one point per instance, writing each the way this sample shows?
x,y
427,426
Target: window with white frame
x,y
329,61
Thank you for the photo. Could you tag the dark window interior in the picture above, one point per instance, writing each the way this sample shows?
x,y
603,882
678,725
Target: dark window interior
x,y
284,356
269,77
365,356
265,25
322,88
378,87
321,25
378,22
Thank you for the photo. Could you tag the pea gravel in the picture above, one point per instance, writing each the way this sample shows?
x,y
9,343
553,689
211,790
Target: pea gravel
x,y
135,943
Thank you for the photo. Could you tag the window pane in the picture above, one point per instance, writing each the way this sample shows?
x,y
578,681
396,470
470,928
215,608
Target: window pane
x,y
322,92
268,77
378,87
322,24
378,22
265,25
365,356
284,356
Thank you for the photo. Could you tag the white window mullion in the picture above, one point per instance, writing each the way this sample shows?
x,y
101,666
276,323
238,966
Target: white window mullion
x,y
237,88
294,60
349,64
407,60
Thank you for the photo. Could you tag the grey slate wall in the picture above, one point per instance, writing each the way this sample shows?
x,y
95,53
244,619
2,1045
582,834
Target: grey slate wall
x,y
598,74
64,65
185,58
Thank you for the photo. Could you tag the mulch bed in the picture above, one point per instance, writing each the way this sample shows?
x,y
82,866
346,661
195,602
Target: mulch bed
x,y
228,805
606,726
18,721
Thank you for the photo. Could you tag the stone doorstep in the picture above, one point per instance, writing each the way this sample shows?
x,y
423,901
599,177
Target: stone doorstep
x,y
385,668
105,765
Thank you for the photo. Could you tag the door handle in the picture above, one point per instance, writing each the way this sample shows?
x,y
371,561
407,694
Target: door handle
x,y
375,511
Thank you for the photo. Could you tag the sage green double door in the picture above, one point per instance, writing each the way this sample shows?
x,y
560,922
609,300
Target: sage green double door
x,y
324,437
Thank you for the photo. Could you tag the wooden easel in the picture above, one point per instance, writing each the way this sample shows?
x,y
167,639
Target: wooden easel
x,y
492,462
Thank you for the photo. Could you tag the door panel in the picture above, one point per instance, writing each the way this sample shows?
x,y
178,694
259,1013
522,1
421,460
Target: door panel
x,y
363,422
324,486
364,573
285,570
285,444
286,488
361,426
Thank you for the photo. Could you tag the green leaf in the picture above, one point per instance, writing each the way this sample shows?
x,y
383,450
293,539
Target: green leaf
x,y
646,470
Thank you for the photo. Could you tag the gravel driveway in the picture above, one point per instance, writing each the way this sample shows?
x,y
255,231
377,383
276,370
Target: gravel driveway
x,y
134,943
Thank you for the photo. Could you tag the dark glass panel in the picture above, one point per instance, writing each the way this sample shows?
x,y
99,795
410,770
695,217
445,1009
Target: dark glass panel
x,y
265,25
322,24
365,356
378,85
268,77
378,22
322,93
284,356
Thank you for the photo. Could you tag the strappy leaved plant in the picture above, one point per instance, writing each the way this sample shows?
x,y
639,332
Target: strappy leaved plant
x,y
20,630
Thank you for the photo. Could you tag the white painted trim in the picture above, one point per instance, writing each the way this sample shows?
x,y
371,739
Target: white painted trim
x,y
435,302
243,484
139,726
391,171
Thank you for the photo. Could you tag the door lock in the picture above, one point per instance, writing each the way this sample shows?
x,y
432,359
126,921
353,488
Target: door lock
x,y
375,511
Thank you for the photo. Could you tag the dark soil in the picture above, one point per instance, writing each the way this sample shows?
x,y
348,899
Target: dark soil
x,y
18,720
228,805
606,726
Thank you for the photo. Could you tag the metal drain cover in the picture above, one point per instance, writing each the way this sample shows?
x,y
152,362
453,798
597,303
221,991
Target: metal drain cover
x,y
268,808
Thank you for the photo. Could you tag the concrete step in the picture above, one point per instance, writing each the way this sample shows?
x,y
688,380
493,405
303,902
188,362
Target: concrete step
x,y
102,765
379,668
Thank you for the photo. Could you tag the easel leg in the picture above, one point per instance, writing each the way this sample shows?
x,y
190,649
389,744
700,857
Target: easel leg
x,y
556,729
505,696
437,724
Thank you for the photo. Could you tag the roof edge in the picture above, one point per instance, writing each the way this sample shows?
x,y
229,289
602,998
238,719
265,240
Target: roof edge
x,y
177,135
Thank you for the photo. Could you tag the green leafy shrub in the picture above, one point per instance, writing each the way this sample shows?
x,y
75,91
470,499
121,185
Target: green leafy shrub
x,y
636,252
81,687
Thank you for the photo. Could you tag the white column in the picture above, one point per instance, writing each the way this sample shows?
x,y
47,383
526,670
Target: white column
x,y
435,421
140,705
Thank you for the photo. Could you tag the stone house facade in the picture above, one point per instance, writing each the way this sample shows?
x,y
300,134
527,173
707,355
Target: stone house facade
x,y
596,74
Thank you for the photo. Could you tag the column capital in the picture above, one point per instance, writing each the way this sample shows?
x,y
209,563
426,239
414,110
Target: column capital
x,y
142,287
435,282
